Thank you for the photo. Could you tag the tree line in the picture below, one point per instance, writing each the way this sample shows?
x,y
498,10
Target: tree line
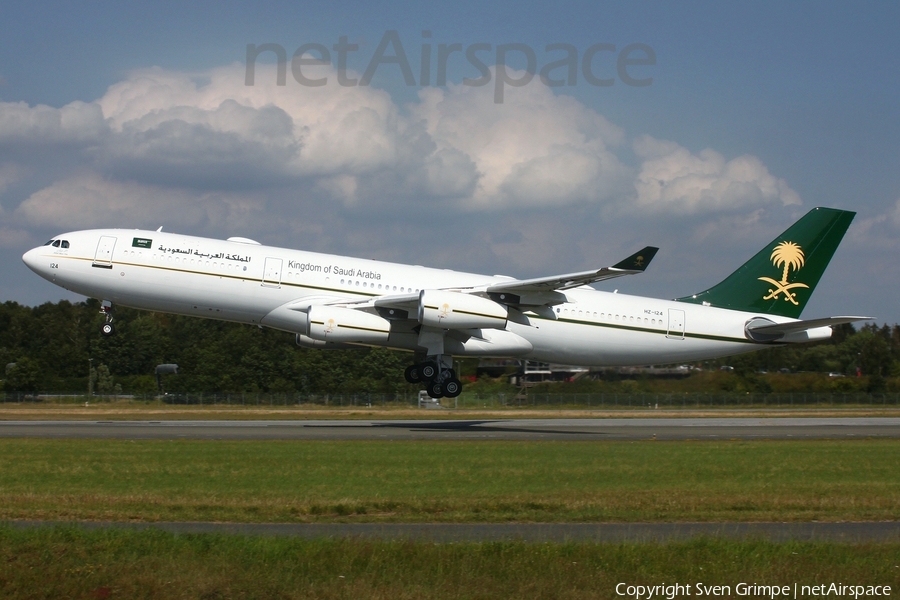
x,y
57,347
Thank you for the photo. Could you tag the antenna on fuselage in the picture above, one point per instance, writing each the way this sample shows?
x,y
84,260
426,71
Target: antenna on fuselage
x,y
160,228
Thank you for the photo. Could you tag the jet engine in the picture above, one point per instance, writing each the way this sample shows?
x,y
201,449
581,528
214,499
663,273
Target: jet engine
x,y
333,324
304,341
452,310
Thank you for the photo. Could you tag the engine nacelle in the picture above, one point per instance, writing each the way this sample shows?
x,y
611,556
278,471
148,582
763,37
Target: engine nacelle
x,y
452,310
333,324
305,341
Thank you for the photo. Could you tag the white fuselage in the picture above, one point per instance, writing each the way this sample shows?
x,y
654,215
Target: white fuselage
x,y
246,282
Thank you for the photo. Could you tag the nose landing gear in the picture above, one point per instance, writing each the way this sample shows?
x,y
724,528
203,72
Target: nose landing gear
x,y
107,329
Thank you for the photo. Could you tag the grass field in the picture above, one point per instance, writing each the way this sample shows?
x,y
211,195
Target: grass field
x,y
357,481
65,562
472,481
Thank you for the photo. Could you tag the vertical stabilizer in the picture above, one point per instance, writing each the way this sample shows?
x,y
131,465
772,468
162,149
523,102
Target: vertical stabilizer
x,y
782,276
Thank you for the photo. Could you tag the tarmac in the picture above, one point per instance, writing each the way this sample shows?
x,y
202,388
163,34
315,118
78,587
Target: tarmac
x,y
631,429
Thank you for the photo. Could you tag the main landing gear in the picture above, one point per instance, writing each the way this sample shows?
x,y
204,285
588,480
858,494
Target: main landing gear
x,y
440,380
107,329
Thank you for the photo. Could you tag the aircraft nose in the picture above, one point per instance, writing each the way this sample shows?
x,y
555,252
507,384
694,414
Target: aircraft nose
x,y
32,258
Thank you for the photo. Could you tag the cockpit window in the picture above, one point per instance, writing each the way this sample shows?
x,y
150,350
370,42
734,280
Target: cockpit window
x,y
48,243
55,244
65,244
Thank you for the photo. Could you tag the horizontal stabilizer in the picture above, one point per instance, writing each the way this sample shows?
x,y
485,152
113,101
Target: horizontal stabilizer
x,y
764,330
794,326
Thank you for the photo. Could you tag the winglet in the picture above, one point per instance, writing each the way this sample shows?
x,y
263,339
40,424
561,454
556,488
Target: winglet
x,y
637,261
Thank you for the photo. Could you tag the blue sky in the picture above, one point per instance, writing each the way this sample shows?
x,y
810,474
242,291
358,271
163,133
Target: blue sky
x,y
116,114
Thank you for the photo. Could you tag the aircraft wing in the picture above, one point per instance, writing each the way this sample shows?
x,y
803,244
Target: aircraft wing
x,y
541,291
636,263
398,300
394,306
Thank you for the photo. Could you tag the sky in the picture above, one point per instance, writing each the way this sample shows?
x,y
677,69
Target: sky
x,y
515,138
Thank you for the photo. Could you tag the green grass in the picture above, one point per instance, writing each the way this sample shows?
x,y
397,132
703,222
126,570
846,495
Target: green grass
x,y
306,481
67,562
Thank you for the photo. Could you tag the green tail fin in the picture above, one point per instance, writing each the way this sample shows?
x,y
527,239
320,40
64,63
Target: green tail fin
x,y
782,276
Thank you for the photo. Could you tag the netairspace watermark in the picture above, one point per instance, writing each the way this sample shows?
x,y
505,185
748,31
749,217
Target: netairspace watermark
x,y
599,65
751,590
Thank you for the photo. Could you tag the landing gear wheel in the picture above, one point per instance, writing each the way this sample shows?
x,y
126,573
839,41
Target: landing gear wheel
x,y
412,374
452,387
107,329
435,389
428,371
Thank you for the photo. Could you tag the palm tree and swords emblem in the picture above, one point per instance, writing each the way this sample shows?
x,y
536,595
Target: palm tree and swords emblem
x,y
789,256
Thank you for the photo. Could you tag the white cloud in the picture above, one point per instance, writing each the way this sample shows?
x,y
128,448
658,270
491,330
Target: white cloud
x,y
206,149
10,173
672,179
894,215
11,237
78,122
880,231
88,200
535,149
306,131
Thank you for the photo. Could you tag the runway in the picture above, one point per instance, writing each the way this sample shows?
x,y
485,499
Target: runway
x,y
617,429
526,532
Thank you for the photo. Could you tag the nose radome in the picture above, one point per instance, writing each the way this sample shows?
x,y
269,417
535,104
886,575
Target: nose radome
x,y
31,258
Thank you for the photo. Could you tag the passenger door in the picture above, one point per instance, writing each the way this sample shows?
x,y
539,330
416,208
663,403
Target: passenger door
x,y
103,256
272,272
676,324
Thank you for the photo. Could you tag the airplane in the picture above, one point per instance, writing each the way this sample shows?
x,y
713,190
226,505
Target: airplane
x,y
337,302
